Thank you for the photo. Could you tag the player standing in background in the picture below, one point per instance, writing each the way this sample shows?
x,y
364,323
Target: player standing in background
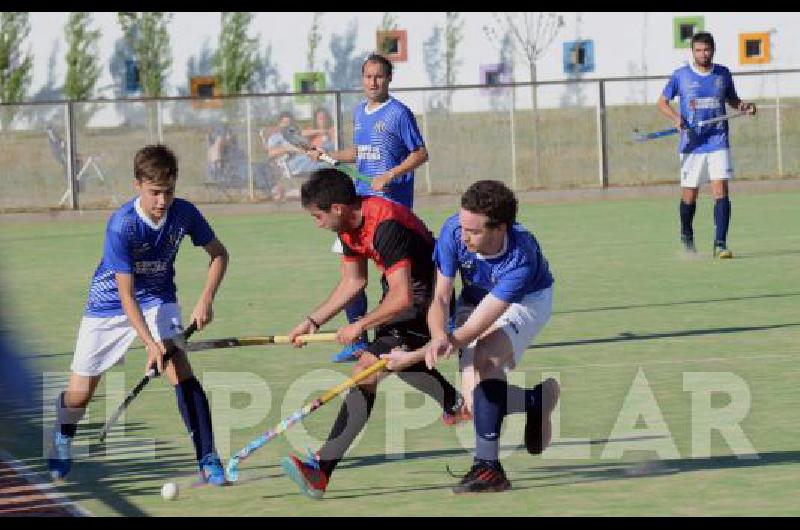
x,y
703,88
388,147
133,293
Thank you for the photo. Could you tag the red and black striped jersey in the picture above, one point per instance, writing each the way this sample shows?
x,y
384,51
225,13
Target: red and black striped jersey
x,y
392,236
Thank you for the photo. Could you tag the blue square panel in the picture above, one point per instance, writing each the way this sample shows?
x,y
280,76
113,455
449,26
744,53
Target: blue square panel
x,y
578,56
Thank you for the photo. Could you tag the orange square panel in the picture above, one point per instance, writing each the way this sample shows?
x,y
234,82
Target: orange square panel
x,y
393,44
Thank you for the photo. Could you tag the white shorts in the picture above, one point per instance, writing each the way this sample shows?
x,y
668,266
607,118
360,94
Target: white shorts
x,y
698,168
521,322
337,246
103,341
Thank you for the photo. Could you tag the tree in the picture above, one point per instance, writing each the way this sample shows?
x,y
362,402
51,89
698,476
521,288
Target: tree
x,y
440,55
237,59
345,71
83,68
388,23
146,34
314,37
15,65
532,34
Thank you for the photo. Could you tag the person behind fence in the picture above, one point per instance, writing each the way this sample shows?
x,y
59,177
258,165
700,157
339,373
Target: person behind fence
x,y
506,300
388,147
703,88
288,157
321,134
133,293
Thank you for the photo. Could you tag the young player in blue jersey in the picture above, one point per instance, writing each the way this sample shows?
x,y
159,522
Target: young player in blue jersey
x,y
388,147
505,302
132,294
703,88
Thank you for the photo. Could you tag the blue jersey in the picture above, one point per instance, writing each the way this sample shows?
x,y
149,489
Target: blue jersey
x,y
703,96
384,137
517,270
135,245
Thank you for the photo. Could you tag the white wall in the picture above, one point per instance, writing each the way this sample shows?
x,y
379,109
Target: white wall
x,y
625,43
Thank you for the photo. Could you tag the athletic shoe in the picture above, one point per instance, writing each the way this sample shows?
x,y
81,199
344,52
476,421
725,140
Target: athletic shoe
x,y
348,353
59,461
688,244
310,479
538,428
483,478
457,413
212,471
721,250
312,458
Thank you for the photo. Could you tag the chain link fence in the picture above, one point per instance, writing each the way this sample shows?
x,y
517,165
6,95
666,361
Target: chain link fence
x,y
80,154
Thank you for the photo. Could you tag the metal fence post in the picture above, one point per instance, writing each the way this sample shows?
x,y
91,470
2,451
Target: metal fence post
x,y
778,139
72,150
602,139
428,182
512,130
159,127
337,120
250,186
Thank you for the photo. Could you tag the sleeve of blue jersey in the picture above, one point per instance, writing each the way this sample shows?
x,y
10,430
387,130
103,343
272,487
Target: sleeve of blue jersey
x,y
117,252
409,131
671,89
200,231
511,286
445,253
730,89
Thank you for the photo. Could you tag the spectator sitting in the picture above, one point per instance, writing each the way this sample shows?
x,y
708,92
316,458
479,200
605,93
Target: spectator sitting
x,y
290,158
322,133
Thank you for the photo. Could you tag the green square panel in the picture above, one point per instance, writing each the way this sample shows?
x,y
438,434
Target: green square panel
x,y
308,82
683,28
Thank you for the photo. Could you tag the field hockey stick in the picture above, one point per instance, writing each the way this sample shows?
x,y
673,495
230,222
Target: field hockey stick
x,y
234,342
644,137
151,373
291,133
233,463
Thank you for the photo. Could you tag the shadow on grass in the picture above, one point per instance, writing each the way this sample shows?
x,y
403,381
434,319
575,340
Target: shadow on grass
x,y
111,472
683,302
562,475
627,336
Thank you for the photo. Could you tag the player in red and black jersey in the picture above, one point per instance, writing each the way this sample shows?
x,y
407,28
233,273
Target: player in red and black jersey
x,y
370,228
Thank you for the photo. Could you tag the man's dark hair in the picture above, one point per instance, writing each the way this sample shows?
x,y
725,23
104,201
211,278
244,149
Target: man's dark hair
x,y
703,37
328,186
493,199
285,114
155,163
378,58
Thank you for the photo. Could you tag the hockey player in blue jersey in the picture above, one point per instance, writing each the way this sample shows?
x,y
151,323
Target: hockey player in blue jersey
x,y
506,300
133,293
703,88
388,147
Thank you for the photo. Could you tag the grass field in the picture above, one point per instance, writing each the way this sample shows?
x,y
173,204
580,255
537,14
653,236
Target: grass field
x,y
626,303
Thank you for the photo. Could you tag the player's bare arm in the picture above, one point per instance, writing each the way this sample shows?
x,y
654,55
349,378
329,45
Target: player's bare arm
x,y
347,155
203,312
481,322
155,350
440,343
398,298
412,162
667,110
353,280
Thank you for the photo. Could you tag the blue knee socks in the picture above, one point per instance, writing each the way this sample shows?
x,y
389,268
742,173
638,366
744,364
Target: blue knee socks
x,y
357,308
193,406
722,217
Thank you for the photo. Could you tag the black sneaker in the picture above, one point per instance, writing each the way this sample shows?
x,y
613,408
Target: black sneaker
x,y
721,250
483,478
688,244
538,429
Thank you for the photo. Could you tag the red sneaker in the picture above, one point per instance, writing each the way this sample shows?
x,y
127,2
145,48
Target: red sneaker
x,y
311,480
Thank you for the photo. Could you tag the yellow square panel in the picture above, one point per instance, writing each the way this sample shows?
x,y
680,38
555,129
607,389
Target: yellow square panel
x,y
754,48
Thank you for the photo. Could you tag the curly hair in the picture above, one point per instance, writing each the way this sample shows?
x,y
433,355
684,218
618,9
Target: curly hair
x,y
493,199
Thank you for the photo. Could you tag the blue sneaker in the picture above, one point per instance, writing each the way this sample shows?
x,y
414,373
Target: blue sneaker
x,y
212,471
59,461
348,353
